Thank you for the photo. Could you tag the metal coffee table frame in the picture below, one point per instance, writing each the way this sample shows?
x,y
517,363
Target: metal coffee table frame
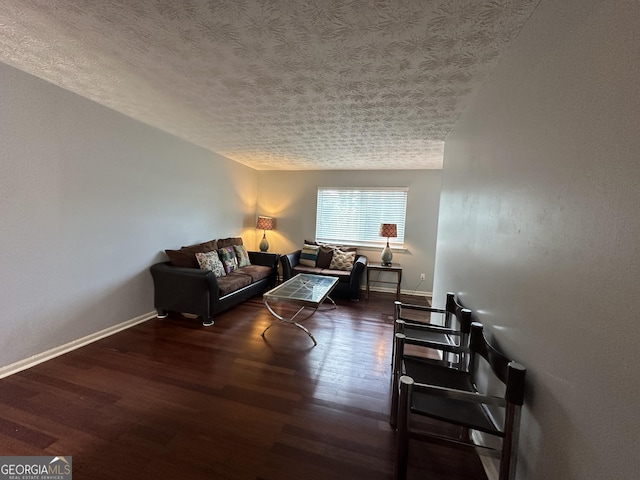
x,y
304,290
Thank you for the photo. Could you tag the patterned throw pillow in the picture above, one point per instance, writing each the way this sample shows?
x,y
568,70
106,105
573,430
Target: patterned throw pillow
x,y
242,255
211,261
309,255
342,260
229,260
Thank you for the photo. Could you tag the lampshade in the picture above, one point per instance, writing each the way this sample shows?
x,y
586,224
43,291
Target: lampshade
x,y
264,223
388,230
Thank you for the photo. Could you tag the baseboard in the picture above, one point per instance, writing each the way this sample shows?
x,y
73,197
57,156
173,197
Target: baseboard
x,y
415,293
73,345
489,465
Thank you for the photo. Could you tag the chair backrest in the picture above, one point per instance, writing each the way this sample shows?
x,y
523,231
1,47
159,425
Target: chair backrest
x,y
454,338
455,309
510,373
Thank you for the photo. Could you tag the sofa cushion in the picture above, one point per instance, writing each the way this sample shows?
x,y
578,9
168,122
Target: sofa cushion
x,y
305,269
229,242
343,275
179,258
229,259
185,257
256,272
242,255
201,247
232,282
309,255
342,260
210,261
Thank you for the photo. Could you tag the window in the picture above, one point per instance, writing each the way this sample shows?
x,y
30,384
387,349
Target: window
x,y
352,216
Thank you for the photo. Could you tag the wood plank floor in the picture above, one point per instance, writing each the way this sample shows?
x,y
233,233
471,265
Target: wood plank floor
x,y
171,399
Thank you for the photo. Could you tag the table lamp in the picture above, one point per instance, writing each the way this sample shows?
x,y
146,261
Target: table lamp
x,y
264,224
389,230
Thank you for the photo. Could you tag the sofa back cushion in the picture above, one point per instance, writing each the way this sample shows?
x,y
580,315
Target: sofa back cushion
x,y
185,257
229,242
178,258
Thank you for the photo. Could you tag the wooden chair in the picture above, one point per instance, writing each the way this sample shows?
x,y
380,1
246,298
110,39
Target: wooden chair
x,y
450,340
467,408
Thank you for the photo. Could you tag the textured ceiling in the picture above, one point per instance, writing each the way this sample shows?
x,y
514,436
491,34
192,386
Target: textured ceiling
x,y
274,84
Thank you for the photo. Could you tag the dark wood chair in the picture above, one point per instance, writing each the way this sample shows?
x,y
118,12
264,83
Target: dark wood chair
x,y
467,408
449,340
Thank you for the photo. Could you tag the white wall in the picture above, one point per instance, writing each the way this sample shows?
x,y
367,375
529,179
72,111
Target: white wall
x,y
89,200
539,232
291,197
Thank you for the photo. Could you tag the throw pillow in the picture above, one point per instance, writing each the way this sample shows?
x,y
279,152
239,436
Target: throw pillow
x,y
324,257
211,261
309,255
342,260
242,255
229,260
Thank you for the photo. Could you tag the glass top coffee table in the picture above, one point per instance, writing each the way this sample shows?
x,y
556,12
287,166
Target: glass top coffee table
x,y
304,291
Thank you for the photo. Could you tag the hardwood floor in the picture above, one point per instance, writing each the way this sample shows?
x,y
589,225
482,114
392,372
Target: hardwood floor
x,y
172,399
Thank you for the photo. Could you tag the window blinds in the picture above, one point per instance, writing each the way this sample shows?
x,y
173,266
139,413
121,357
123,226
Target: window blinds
x,y
352,216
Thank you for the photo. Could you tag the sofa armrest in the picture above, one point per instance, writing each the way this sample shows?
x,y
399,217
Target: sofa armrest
x,y
355,278
265,259
183,289
289,261
360,262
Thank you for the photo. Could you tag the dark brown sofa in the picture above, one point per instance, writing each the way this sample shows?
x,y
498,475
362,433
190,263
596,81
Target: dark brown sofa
x,y
180,285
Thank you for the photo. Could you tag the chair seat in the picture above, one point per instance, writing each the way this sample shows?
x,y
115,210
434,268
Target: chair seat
x,y
458,412
432,372
429,336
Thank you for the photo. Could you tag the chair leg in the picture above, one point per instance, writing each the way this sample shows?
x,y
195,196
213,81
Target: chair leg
x,y
396,372
510,444
396,328
393,413
402,436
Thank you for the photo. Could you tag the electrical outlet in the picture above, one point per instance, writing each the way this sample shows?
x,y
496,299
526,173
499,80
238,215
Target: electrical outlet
x,y
422,276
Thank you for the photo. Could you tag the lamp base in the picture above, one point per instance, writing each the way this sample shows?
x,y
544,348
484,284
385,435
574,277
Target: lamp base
x,y
387,256
264,244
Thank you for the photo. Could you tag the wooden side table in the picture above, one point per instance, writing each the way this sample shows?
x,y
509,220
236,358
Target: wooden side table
x,y
395,267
